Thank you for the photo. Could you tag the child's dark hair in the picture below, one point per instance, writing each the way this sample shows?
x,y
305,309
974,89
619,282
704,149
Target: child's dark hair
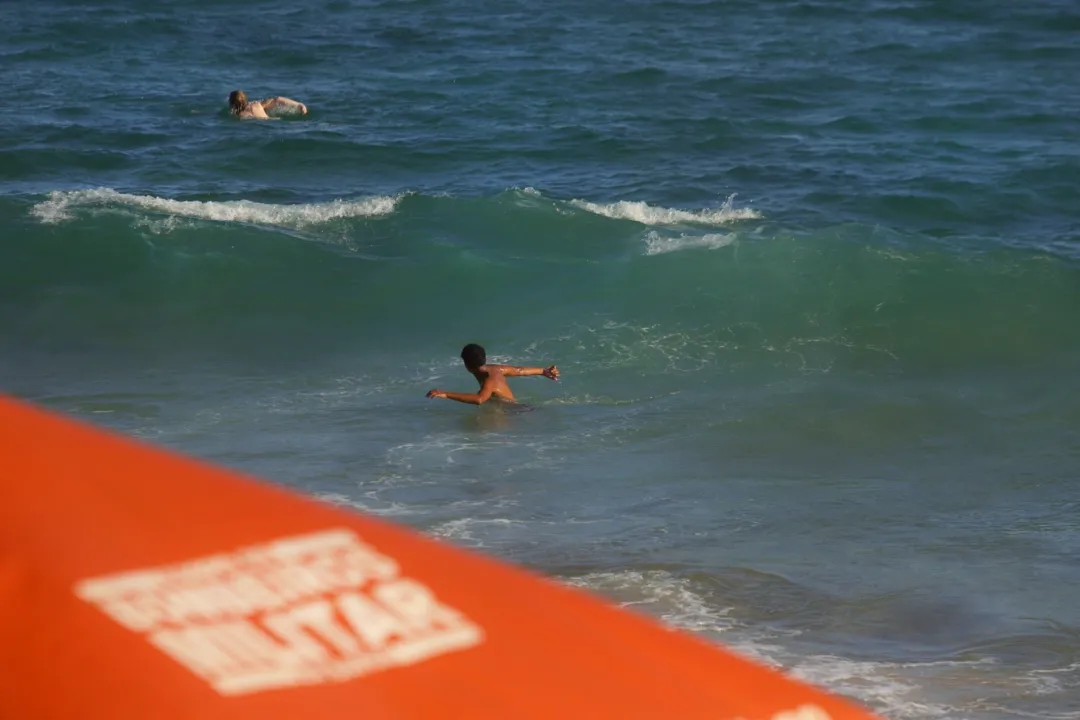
x,y
473,355
238,102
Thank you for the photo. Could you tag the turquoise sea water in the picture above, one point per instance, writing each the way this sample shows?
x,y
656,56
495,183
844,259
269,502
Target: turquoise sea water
x,y
810,271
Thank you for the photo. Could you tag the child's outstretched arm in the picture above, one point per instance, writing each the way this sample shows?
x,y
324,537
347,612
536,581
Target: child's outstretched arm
x,y
521,371
471,398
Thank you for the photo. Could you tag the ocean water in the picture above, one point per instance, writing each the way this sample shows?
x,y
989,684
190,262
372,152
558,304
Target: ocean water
x,y
810,271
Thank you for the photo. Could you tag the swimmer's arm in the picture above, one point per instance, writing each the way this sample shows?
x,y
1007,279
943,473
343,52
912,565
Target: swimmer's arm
x,y
520,371
471,398
283,103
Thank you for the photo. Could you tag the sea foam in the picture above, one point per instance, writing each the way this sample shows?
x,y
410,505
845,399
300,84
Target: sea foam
x,y
61,205
646,214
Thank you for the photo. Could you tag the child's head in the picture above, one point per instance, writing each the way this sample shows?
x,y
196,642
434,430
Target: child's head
x,y
474,356
238,102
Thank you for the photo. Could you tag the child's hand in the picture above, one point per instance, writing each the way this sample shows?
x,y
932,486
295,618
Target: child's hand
x,y
436,394
551,372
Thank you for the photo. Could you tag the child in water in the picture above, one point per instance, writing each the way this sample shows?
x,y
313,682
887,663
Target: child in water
x,y
492,378
241,107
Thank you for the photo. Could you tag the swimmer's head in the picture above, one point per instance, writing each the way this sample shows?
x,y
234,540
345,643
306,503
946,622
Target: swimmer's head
x,y
473,356
237,102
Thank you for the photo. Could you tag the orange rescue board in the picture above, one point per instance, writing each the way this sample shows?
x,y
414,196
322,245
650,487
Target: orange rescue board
x,y
138,583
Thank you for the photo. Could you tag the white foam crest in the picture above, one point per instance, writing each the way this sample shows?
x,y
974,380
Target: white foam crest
x,y
891,688
529,198
61,203
879,685
371,506
1051,681
656,244
649,215
462,530
659,594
